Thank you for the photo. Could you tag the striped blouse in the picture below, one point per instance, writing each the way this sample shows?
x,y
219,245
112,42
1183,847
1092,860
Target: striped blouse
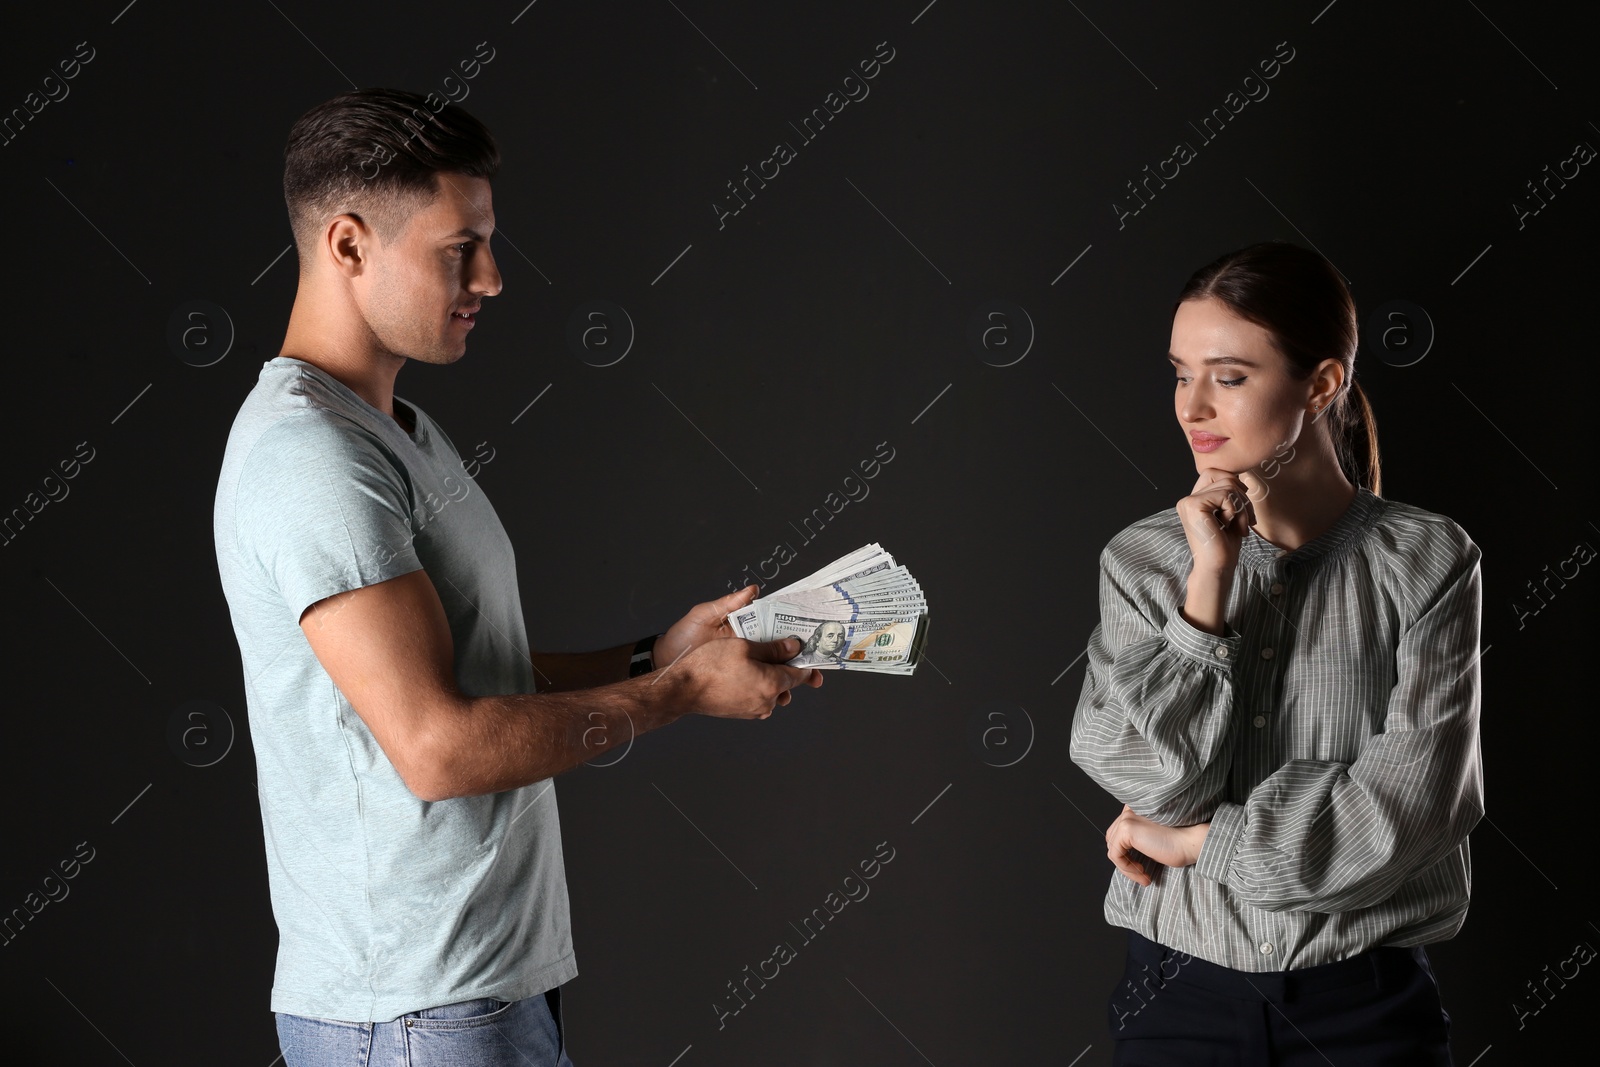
x,y
1330,737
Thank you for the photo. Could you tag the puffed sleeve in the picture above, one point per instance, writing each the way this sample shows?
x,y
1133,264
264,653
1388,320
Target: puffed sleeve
x,y
1152,725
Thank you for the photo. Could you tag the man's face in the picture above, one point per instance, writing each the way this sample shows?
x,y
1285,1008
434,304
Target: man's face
x,y
831,639
437,267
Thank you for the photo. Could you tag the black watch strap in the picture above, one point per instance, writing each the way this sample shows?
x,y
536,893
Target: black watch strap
x,y
641,663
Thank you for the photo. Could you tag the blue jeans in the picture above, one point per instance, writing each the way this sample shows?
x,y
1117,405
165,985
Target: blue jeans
x,y
474,1033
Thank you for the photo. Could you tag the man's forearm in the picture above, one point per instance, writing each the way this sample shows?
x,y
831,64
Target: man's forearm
x,y
565,671
487,744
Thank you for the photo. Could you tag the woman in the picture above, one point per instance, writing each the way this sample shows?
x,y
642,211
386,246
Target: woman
x,y
1283,692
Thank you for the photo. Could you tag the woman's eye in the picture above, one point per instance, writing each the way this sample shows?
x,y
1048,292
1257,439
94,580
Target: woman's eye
x,y
1229,382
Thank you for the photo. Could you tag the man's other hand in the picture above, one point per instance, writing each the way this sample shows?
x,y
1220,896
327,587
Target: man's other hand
x,y
705,622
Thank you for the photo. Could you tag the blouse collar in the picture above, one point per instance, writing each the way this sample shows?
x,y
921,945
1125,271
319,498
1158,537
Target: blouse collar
x,y
1258,552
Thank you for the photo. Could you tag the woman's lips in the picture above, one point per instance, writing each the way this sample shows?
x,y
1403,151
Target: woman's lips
x,y
1206,442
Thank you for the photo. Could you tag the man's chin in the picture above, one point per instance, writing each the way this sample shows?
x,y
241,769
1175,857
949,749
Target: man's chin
x,y
439,357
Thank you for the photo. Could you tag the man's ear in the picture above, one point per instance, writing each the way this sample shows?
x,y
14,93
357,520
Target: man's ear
x,y
348,244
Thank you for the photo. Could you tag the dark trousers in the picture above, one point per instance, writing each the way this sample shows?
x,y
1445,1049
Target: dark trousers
x,y
1373,1010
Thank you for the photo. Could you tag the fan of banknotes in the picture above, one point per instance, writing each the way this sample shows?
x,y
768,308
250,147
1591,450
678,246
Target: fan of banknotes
x,y
862,612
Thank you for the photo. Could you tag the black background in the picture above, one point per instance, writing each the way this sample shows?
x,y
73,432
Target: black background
x,y
828,317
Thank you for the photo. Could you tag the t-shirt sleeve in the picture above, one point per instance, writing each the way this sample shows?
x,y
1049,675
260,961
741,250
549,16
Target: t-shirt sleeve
x,y
321,508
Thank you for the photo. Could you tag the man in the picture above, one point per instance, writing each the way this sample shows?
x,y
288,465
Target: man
x,y
403,747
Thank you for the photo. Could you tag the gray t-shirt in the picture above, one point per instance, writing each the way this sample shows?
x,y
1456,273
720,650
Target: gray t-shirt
x,y
385,903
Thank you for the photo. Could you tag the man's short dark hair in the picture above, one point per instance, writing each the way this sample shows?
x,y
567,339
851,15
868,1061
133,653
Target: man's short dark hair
x,y
374,153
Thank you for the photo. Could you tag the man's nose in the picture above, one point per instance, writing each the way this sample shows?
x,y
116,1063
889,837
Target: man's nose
x,y
486,279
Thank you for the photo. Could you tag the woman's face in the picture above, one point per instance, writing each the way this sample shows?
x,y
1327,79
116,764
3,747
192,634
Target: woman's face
x,y
1235,399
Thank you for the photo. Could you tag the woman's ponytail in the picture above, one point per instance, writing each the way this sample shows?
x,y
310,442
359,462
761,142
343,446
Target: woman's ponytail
x,y
1356,435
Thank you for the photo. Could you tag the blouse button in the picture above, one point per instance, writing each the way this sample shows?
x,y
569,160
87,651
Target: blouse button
x,y
1222,651
1266,653
1260,720
1266,948
1277,587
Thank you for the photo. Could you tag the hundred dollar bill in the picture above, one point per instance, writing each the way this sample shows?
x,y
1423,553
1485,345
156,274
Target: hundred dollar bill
x,y
865,643
863,611
755,621
865,560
